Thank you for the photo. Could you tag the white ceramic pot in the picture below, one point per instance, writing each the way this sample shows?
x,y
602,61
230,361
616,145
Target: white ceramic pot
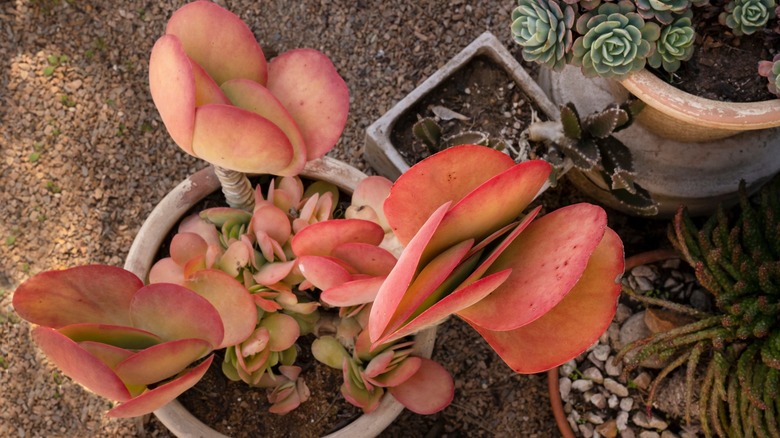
x,y
169,212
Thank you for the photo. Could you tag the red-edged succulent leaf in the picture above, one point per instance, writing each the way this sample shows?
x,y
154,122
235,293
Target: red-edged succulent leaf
x,y
160,362
118,336
323,272
239,140
446,176
452,303
78,364
157,397
398,375
206,90
372,192
108,354
366,258
323,237
186,246
254,97
286,398
87,294
392,291
219,41
175,312
379,364
428,391
547,259
283,331
231,299
272,273
355,393
353,293
308,85
574,324
219,216
194,224
237,256
172,85
490,206
272,221
167,271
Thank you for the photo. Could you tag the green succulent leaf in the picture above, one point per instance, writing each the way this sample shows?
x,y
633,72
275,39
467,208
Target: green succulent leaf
x,y
584,154
428,131
468,137
603,124
570,120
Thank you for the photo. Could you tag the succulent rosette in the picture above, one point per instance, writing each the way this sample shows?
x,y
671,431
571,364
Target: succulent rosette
x,y
615,41
540,291
675,44
221,101
662,10
745,17
139,345
543,29
771,71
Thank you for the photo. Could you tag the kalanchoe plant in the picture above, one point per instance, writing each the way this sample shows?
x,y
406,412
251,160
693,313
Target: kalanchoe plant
x,y
735,256
771,71
590,146
430,132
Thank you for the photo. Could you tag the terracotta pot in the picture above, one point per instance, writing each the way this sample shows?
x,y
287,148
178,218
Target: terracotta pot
x,y
674,165
380,151
169,212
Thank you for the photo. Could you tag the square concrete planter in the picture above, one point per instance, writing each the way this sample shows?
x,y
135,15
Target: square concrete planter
x,y
380,151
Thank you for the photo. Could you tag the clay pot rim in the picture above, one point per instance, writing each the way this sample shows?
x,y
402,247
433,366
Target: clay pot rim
x,y
676,103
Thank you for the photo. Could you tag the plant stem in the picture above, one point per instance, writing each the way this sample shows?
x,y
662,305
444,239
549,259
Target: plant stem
x,y
237,188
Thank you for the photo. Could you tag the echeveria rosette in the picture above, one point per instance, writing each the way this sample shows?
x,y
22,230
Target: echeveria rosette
x,y
771,71
675,44
544,29
615,41
745,17
539,291
663,11
222,102
128,342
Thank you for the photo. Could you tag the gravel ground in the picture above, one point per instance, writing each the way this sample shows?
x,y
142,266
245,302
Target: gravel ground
x,y
84,158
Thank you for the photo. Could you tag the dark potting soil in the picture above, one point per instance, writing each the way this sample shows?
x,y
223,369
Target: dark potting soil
x,y
481,91
725,67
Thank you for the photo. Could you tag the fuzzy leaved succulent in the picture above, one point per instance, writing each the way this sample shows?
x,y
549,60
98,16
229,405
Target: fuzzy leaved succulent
x,y
539,291
615,40
735,255
139,345
771,71
745,17
544,29
221,101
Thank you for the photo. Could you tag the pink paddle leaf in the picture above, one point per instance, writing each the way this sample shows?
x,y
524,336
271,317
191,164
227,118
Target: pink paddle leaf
x,y
160,362
322,238
428,391
366,258
118,336
353,293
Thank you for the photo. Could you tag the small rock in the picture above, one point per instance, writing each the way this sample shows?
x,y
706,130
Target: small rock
x,y
671,264
564,386
586,430
582,385
613,401
593,418
644,284
652,422
627,433
626,404
642,381
599,401
645,272
573,418
615,388
594,374
592,357
613,370
669,434
634,329
623,313
608,429
622,420
73,86
602,352
567,368
649,434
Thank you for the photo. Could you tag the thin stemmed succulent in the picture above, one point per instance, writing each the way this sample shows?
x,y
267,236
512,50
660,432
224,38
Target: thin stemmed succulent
x,y
591,147
735,256
615,38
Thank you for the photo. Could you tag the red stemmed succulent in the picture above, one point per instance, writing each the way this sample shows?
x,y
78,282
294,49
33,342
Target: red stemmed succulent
x,y
539,291
221,101
133,343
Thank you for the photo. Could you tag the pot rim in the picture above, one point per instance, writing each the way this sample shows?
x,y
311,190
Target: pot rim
x,y
694,109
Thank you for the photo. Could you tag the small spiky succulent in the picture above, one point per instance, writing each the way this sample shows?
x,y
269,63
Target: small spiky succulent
x,y
543,29
745,17
430,132
736,258
675,44
771,71
615,40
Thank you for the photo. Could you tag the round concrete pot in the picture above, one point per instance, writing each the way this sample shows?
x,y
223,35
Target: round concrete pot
x,y
672,162
169,212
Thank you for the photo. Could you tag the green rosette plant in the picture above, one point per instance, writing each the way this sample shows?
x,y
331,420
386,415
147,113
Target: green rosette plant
x,y
615,41
661,10
675,44
771,71
544,29
745,17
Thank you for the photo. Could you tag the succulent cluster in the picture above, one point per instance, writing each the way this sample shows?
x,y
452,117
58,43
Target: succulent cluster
x,y
430,132
735,256
612,38
771,71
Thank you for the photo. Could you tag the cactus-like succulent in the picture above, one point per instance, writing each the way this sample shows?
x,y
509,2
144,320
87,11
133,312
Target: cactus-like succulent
x,y
745,17
771,71
675,44
661,10
543,28
735,256
615,40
